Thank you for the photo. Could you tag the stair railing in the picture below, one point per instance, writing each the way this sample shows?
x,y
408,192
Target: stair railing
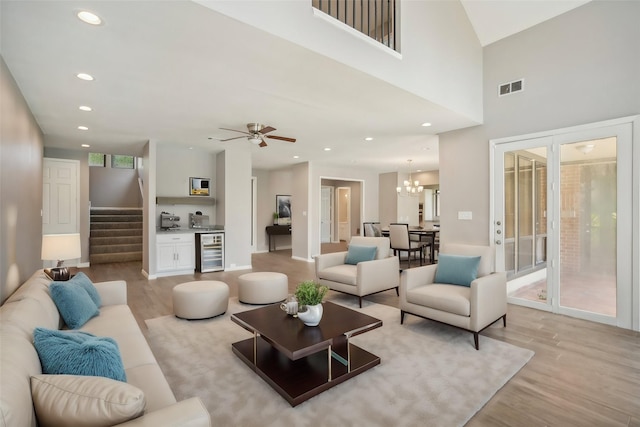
x,y
374,18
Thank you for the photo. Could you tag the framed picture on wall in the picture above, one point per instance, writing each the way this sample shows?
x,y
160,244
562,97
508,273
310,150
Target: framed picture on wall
x,y
199,186
283,208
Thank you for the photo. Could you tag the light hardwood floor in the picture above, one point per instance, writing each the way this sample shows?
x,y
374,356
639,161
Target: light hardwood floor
x,y
582,374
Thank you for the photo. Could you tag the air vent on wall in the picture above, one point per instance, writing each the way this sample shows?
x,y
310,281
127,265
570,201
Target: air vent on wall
x,y
511,87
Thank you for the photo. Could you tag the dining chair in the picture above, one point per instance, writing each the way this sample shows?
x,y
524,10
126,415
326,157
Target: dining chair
x,y
401,242
372,229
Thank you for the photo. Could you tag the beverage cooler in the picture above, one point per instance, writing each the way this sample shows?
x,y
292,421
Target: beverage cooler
x,y
209,252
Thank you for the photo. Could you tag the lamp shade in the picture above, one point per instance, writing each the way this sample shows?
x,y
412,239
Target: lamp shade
x,y
61,246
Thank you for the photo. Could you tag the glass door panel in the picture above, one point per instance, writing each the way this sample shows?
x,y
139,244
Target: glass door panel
x,y
588,224
525,207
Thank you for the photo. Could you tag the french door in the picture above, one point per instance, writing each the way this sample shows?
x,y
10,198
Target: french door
x,y
562,221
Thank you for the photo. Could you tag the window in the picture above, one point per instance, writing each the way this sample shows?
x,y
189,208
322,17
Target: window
x,y
97,159
122,162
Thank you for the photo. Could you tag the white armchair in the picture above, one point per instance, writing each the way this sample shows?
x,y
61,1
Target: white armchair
x,y
364,278
472,308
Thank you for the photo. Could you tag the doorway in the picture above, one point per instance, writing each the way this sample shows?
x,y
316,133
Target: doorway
x,y
562,217
333,236
326,214
343,213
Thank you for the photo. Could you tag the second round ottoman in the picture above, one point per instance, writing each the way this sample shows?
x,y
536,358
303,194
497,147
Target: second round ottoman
x,y
201,299
263,287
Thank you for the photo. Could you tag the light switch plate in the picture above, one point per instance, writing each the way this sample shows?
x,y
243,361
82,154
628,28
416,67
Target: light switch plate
x,y
466,215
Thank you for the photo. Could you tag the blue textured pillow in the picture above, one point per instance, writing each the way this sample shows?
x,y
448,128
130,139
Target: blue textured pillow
x,y
74,303
78,353
356,254
86,283
457,269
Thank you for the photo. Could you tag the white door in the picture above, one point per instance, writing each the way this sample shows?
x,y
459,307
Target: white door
x,y
562,221
60,208
343,213
326,213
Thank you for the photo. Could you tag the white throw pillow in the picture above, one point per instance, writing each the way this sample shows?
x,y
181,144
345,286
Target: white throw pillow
x,y
75,400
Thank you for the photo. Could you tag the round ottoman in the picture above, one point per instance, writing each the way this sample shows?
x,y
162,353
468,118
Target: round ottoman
x,y
200,300
263,288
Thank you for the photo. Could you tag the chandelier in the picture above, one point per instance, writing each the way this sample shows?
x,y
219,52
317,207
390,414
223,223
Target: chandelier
x,y
411,188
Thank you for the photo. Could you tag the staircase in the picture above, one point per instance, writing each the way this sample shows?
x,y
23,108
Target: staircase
x,y
116,235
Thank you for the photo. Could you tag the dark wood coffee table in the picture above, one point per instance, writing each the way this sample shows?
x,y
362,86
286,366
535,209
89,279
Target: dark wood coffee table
x,y
301,361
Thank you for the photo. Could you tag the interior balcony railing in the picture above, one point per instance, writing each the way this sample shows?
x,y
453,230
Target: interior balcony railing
x,y
374,18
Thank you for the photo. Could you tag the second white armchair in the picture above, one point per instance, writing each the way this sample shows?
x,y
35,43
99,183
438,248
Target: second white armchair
x,y
457,296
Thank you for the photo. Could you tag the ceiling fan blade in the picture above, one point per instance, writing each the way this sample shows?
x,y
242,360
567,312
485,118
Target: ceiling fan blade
x,y
281,138
262,144
231,139
234,130
267,129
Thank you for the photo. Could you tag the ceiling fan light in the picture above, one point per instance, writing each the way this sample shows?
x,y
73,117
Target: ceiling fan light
x,y
255,140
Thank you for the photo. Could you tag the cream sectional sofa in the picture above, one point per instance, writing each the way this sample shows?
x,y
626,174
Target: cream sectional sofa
x,y
31,306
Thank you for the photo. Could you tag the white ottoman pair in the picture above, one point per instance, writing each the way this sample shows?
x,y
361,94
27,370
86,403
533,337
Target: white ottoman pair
x,y
200,300
263,287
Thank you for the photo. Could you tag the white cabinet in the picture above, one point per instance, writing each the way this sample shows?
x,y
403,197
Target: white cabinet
x,y
175,254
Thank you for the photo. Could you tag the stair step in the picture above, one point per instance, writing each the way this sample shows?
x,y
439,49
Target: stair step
x,y
112,225
116,211
115,257
116,218
115,240
108,249
113,232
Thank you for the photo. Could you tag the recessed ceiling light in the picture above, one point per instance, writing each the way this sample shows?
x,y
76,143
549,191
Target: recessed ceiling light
x,y
296,157
89,18
84,76
368,138
327,149
83,128
85,145
426,124
85,108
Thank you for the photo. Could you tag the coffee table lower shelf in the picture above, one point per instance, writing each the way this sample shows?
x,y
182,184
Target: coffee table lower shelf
x,y
300,380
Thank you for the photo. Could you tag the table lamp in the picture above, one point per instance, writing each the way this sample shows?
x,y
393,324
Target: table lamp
x,y
60,247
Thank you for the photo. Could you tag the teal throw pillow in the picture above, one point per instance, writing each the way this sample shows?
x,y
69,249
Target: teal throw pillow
x,y
356,254
78,353
73,302
86,283
457,269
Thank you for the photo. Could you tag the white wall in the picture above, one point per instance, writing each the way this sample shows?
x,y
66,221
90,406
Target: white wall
x,y
236,165
174,166
21,149
580,67
441,58
114,187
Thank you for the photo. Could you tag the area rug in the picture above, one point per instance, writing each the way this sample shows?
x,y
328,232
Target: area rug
x,y
430,374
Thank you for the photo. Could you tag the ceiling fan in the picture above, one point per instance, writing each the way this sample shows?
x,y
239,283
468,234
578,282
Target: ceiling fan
x,y
256,134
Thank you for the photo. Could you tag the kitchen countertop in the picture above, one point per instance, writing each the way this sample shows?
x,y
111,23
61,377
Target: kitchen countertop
x,y
189,230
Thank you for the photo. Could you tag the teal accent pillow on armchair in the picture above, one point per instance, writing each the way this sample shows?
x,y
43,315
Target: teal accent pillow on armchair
x,y
457,269
356,254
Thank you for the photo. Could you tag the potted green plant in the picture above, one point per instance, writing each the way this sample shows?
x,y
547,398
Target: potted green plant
x,y
275,218
310,295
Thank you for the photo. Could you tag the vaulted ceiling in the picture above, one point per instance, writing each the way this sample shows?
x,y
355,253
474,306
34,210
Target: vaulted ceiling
x,y
176,72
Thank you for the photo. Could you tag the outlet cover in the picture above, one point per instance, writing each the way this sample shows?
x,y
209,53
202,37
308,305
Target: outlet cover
x,y
465,215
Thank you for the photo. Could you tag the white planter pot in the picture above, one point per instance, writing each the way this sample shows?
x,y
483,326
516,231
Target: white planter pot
x,y
312,316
